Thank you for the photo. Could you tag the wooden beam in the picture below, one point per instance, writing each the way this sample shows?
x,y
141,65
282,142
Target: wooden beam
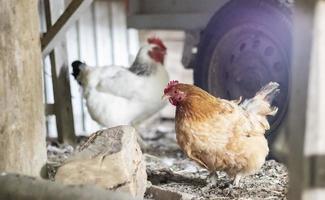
x,y
303,20
187,21
171,14
56,32
61,84
174,7
132,7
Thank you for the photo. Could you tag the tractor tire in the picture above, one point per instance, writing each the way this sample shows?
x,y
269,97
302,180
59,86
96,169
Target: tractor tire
x,y
246,44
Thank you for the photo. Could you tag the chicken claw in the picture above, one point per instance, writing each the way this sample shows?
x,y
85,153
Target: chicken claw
x,y
236,180
211,181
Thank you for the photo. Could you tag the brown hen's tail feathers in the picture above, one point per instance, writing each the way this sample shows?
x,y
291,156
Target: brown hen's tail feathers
x,y
262,101
268,92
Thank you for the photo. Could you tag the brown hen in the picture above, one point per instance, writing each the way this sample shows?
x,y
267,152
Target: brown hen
x,y
222,135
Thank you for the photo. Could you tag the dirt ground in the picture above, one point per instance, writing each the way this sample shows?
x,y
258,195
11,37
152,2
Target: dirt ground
x,y
173,176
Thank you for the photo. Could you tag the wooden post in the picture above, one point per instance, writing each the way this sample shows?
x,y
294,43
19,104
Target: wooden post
x,y
315,126
22,130
303,37
60,78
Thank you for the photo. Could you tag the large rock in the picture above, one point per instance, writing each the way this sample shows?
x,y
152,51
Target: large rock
x,y
111,159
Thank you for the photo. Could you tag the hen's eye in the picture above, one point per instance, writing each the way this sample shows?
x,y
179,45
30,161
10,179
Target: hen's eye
x,y
175,92
179,98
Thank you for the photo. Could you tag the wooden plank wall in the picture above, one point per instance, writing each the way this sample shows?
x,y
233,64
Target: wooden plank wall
x,y
99,38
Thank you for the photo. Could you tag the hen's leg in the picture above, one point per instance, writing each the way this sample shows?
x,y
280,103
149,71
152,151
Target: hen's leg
x,y
236,180
211,180
232,184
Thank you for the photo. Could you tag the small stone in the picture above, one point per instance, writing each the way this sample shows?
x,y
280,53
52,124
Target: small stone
x,y
111,159
159,193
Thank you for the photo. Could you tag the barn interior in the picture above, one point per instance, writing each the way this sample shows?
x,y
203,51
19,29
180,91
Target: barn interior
x,y
62,138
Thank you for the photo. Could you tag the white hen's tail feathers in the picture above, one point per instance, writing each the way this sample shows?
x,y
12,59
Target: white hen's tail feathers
x,y
261,102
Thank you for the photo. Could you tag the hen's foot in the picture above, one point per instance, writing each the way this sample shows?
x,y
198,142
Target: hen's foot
x,y
211,181
235,183
236,180
229,187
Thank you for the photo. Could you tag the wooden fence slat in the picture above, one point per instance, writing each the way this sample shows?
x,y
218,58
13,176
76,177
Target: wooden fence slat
x,y
72,39
119,29
133,44
60,78
88,53
103,33
51,129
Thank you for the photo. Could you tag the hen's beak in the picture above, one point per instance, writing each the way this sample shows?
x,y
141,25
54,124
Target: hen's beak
x,y
164,97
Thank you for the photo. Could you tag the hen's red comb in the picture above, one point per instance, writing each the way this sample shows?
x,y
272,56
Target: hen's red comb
x,y
170,85
173,82
157,41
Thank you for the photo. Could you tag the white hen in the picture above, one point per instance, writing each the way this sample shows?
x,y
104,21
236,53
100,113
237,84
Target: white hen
x,y
117,95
